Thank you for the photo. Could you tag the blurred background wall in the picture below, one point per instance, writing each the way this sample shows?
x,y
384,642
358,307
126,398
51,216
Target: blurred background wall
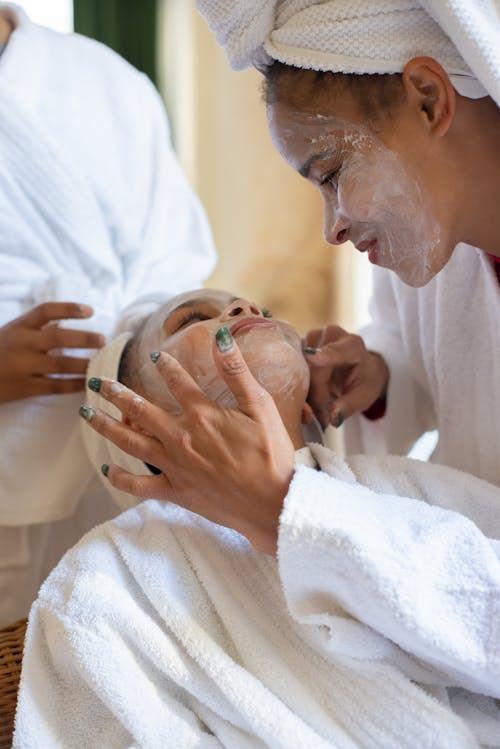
x,y
267,220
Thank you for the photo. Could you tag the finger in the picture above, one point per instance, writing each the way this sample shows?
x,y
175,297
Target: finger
x,y
134,443
337,415
138,410
53,337
35,386
44,313
321,408
251,397
44,364
143,487
311,338
179,382
339,353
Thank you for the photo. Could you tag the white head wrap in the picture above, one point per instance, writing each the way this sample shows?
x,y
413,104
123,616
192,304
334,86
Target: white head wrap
x,y
364,36
106,363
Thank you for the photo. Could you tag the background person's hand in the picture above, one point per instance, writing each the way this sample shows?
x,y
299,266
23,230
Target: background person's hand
x,y
26,344
232,466
345,377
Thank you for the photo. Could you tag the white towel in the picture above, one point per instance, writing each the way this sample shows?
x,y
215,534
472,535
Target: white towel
x,y
94,209
364,36
160,629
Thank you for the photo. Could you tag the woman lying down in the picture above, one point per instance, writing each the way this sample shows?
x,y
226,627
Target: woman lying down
x,y
376,624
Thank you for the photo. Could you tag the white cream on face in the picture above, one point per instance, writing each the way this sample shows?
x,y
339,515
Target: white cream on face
x,y
273,353
374,196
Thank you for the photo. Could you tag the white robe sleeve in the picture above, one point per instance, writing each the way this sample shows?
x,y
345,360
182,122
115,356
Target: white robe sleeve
x,y
409,411
424,576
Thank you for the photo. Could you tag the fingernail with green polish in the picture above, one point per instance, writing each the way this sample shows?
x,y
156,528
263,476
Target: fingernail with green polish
x,y
340,419
155,355
94,384
104,469
309,350
86,412
224,339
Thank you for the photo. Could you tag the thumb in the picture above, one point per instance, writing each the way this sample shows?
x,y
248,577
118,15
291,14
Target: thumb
x,y
250,395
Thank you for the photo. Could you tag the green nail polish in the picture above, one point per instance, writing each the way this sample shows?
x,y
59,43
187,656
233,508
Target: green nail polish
x,y
340,419
224,339
155,355
86,412
309,350
94,384
104,469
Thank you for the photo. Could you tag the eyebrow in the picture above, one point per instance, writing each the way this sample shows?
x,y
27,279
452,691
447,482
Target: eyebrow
x,y
306,166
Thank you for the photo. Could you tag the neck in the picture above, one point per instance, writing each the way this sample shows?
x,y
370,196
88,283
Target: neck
x,y
291,417
480,159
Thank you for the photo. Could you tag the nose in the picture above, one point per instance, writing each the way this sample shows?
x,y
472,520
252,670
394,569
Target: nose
x,y
240,307
336,227
338,230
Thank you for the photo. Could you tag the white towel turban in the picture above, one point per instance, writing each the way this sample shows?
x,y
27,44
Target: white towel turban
x,y
364,36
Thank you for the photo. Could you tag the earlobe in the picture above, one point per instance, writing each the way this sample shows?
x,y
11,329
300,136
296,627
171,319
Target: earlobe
x,y
428,86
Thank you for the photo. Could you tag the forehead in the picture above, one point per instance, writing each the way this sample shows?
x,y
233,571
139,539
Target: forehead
x,y
302,135
214,297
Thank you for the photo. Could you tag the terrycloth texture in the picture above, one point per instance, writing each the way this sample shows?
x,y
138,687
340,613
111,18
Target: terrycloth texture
x,y
94,209
442,345
363,36
162,630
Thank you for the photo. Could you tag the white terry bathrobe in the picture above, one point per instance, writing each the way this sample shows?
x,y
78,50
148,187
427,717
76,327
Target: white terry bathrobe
x,y
94,208
378,627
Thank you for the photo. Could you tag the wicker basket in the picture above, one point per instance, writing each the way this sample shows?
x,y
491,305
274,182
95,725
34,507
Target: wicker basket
x,y
11,654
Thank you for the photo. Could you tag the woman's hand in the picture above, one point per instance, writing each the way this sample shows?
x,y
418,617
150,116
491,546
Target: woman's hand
x,y
25,352
232,466
345,376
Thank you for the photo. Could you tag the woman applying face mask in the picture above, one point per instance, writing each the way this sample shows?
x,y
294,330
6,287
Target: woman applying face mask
x,y
390,109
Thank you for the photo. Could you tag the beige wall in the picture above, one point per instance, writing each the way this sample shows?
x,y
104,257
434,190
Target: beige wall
x,y
267,220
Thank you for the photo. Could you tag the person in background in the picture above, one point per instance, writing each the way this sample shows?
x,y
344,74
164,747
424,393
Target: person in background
x,y
95,215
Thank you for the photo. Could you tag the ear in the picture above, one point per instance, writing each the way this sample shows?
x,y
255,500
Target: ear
x,y
429,89
307,414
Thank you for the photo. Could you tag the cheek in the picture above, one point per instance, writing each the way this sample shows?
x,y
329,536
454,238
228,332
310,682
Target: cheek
x,y
193,350
364,189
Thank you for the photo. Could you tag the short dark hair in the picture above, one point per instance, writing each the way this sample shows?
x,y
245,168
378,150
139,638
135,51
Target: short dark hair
x,y
374,92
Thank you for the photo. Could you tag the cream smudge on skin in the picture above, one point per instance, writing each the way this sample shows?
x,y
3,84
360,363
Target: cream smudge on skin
x,y
376,198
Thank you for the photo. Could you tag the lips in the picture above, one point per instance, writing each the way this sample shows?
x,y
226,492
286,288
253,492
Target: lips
x,y
248,323
370,246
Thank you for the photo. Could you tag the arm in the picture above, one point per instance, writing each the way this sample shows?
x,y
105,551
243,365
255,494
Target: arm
x,y
424,576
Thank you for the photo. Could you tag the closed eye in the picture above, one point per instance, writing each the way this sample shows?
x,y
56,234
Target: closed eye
x,y
192,317
331,179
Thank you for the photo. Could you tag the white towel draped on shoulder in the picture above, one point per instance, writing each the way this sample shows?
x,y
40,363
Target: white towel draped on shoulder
x,y
94,209
160,629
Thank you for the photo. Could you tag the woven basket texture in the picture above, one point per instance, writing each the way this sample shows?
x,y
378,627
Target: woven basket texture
x,y
11,654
